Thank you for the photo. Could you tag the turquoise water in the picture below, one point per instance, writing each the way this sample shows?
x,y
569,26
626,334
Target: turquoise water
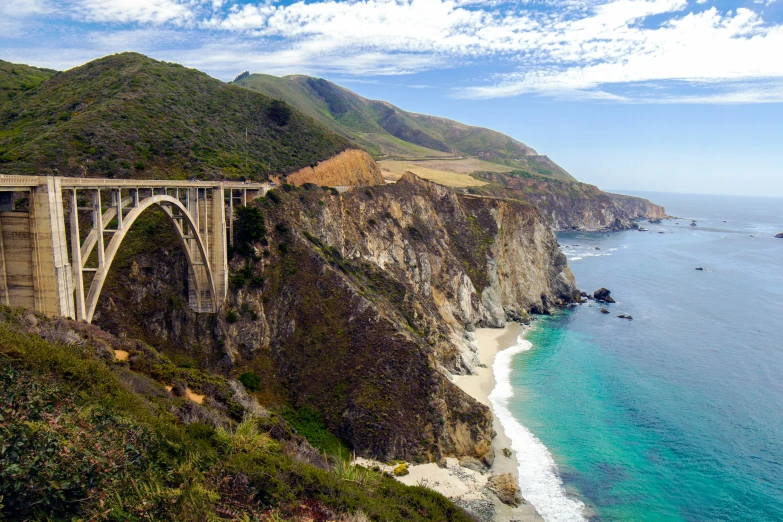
x,y
678,414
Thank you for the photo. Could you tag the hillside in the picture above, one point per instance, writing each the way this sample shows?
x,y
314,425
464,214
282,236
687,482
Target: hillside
x,y
88,435
16,78
130,116
389,132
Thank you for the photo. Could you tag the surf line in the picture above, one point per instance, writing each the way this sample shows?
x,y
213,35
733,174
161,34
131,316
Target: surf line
x,y
538,476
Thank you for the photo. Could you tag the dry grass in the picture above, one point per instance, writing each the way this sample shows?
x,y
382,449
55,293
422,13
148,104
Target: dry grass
x,y
452,173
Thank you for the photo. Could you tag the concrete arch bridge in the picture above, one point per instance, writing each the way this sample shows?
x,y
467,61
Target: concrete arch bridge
x,y
57,266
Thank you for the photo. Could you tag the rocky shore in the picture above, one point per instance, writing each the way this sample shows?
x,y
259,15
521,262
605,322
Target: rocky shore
x,y
487,490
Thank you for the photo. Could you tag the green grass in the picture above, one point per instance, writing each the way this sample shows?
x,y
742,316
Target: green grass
x,y
310,424
129,116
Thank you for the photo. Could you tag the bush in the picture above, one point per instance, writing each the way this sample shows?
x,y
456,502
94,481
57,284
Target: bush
x,y
232,317
400,470
279,112
251,380
250,227
310,424
274,196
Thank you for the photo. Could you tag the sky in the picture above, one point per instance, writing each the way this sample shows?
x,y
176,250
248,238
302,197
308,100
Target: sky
x,y
657,95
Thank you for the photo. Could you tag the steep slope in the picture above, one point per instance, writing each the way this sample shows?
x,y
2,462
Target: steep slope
x,y
569,204
90,437
17,78
349,168
127,115
358,306
388,131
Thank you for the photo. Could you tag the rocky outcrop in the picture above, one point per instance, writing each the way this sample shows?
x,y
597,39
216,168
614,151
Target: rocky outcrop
x,y
779,235
506,489
365,309
602,295
349,168
358,305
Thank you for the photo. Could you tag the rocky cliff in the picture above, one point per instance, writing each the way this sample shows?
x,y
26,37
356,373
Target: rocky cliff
x,y
570,204
349,168
357,305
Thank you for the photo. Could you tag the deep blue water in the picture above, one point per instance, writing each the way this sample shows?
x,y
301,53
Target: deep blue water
x,y
677,414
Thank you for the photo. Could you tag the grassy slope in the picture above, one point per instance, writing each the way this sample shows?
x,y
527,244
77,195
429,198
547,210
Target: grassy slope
x,y
388,131
85,437
127,115
16,78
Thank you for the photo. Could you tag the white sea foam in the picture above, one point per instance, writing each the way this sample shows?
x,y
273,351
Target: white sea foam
x,y
539,479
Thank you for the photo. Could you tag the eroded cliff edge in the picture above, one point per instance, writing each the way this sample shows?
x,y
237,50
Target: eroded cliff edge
x,y
357,305
571,205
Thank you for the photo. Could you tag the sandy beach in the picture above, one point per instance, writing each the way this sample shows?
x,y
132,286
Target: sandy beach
x,y
491,341
464,486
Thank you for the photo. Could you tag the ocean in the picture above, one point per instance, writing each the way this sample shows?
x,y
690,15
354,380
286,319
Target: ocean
x,y
676,415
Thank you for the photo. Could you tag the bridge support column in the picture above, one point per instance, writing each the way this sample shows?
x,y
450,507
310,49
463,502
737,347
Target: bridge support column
x,y
52,276
218,247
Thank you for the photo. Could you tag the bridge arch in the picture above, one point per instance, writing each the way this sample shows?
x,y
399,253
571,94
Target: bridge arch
x,y
194,259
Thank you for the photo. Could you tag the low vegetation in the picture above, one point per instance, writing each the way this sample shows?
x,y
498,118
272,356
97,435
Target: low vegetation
x,y
86,437
389,132
129,116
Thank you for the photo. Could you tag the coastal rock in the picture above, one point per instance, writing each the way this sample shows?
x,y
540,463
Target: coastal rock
x,y
473,463
604,311
779,236
699,268
506,489
655,221
507,453
602,295
623,316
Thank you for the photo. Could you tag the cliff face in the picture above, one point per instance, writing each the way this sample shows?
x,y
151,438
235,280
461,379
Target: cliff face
x,y
569,204
604,212
357,304
349,168
364,308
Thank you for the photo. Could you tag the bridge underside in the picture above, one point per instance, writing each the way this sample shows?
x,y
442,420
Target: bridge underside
x,y
57,265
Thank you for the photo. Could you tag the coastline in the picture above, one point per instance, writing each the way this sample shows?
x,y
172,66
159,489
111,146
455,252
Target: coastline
x,y
490,342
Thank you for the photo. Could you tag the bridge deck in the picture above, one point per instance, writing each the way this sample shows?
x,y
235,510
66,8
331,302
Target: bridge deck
x,y
20,182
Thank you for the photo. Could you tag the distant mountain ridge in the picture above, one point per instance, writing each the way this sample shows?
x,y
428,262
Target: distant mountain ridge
x,y
389,132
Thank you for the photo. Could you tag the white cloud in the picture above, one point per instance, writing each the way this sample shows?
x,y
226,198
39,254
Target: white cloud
x,y
574,48
136,11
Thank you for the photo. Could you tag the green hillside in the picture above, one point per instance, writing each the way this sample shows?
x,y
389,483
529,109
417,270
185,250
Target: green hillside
x,y
389,132
17,78
130,116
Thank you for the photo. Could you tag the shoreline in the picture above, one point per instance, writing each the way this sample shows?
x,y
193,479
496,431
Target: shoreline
x,y
492,341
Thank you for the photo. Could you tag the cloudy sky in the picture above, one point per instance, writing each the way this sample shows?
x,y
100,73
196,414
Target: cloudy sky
x,y
670,95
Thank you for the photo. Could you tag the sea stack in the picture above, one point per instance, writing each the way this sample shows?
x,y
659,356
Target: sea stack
x,y
602,295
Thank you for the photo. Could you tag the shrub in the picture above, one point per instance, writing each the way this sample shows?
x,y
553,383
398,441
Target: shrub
x,y
279,112
283,248
232,317
310,424
274,196
251,380
250,227
400,470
